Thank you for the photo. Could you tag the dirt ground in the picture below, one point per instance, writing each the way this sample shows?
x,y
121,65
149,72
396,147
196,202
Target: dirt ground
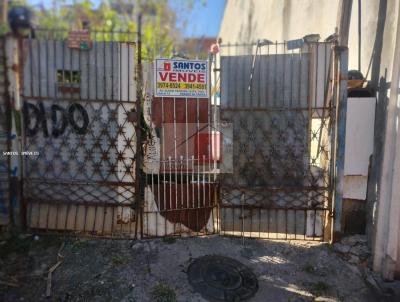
x,y
155,270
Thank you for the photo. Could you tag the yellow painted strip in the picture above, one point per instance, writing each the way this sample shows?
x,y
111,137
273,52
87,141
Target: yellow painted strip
x,y
182,86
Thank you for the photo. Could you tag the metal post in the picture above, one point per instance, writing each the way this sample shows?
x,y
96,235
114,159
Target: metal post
x,y
341,109
138,129
378,44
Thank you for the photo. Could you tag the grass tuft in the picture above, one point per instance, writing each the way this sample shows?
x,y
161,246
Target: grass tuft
x,y
168,240
320,286
163,293
308,268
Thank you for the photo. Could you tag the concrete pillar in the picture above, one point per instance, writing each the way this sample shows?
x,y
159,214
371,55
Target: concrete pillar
x,y
13,70
387,240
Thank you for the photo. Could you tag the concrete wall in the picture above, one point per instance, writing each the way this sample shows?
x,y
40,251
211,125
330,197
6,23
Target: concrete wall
x,y
250,20
387,226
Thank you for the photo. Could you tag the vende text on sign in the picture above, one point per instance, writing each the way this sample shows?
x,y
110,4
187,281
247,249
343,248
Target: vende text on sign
x,y
181,78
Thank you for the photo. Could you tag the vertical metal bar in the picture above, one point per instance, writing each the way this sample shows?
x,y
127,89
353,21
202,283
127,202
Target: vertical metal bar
x,y
233,220
31,64
275,73
71,84
96,65
163,160
291,78
187,156
211,139
120,69
138,129
259,80
47,66
198,162
267,72
286,224
47,216
251,221
300,78
79,74
88,80
283,74
170,206
341,138
112,66
315,221
39,68
316,45
323,224
105,70
175,161
94,220
193,184
181,204
204,190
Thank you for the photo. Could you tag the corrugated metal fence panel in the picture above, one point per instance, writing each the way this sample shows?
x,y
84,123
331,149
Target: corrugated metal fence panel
x,y
4,164
105,70
278,81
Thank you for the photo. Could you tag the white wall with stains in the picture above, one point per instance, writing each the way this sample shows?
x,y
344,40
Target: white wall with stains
x,y
278,20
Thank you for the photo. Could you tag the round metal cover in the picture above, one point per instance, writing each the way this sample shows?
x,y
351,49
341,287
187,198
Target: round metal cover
x,y
219,278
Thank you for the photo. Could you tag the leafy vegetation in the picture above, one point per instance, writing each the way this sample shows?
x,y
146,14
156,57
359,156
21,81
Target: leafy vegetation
x,y
160,32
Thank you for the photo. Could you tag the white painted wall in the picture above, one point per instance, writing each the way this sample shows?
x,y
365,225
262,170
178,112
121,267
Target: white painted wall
x,y
387,226
359,146
250,20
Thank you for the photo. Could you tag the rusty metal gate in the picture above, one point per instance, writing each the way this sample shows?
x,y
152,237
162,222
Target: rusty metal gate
x,y
253,160
79,104
181,188
278,103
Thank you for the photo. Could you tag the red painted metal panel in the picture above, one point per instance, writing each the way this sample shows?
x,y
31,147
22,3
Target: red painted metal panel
x,y
208,146
188,204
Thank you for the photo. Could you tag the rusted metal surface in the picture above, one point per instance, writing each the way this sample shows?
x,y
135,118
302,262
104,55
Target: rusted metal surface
x,y
5,144
83,113
80,173
181,187
282,145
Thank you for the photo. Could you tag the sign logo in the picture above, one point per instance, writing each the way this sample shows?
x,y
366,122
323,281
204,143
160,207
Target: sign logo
x,y
181,78
167,66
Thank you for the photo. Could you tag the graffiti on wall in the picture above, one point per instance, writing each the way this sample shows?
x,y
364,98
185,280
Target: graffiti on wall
x,y
35,119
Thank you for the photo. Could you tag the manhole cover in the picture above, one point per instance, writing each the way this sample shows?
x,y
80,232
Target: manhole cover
x,y
222,279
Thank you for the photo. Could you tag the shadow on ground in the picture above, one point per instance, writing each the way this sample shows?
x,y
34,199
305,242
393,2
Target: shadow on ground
x,y
155,270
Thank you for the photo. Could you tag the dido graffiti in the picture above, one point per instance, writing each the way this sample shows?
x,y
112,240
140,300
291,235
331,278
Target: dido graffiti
x,y
36,119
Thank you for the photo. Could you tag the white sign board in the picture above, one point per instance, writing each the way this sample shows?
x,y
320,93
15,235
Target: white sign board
x,y
181,78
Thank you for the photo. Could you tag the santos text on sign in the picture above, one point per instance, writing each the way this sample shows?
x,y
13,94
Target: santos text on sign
x,y
181,78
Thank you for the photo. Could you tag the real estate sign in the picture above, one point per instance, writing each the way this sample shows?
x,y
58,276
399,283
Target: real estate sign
x,y
181,78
